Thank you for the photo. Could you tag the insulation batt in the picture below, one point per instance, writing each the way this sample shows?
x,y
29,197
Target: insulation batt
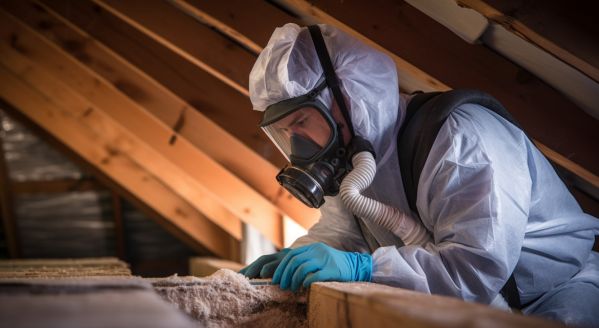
x,y
227,299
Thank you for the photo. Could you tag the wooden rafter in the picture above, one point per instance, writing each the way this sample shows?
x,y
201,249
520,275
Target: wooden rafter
x,y
202,181
530,35
168,44
410,77
575,78
208,20
166,106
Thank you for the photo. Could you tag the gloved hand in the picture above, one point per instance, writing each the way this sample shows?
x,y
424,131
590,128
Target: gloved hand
x,y
320,262
265,265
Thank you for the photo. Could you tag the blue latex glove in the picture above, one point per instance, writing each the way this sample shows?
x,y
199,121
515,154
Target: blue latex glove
x,y
265,265
320,262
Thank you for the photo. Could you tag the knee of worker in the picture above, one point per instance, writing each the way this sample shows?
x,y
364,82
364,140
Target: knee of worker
x,y
574,304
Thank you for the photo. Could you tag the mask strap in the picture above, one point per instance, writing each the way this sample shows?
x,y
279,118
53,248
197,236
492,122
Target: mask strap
x,y
329,73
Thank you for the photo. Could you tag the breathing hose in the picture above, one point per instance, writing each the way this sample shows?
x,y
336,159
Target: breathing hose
x,y
410,230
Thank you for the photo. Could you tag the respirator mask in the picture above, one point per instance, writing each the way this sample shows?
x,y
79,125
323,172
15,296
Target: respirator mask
x,y
304,130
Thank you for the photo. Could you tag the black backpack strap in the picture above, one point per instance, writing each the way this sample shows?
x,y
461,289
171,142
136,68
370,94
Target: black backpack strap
x,y
425,115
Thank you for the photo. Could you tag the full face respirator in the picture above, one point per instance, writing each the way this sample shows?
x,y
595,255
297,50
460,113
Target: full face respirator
x,y
305,131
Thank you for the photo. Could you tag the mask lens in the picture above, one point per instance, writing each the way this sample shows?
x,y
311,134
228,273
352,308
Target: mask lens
x,y
302,134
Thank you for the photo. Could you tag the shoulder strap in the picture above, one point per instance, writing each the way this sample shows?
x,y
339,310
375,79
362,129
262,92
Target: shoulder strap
x,y
425,116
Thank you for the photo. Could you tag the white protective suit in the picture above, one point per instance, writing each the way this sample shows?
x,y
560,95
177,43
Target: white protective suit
x,y
490,199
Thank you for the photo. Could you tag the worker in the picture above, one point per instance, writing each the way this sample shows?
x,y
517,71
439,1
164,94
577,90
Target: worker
x,y
489,207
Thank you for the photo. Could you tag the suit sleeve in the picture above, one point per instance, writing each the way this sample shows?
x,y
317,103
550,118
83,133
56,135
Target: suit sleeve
x,y
474,196
336,228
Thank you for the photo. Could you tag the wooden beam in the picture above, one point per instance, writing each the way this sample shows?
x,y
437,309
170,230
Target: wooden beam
x,y
242,16
106,145
522,30
165,105
220,195
410,77
222,104
583,179
503,35
334,304
206,19
114,7
468,24
9,222
205,266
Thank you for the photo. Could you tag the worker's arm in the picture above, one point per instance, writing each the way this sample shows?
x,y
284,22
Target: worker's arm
x,y
474,196
336,228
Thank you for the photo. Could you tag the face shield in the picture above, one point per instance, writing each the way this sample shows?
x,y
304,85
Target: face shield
x,y
301,128
305,132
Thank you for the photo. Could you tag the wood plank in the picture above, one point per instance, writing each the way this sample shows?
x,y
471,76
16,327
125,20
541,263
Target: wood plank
x,y
9,220
410,77
578,87
221,196
106,145
503,35
241,15
466,23
222,104
165,105
334,304
163,24
205,266
529,34
214,23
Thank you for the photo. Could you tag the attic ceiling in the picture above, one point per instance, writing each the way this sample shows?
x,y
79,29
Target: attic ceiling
x,y
167,80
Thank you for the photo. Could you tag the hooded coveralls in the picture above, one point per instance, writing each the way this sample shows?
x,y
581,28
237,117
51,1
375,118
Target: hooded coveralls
x,y
490,199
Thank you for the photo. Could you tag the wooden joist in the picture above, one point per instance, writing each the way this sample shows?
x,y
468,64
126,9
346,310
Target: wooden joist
x,y
333,304
184,120
194,175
